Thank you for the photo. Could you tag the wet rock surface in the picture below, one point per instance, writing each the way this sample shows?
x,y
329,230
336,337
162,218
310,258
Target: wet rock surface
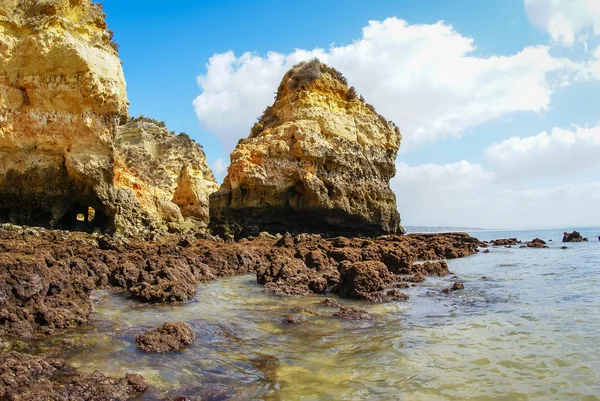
x,y
171,336
575,236
30,378
536,243
505,241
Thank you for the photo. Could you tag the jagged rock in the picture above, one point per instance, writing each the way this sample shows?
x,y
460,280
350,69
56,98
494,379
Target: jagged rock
x,y
454,287
26,377
319,160
167,173
171,336
505,241
575,236
62,95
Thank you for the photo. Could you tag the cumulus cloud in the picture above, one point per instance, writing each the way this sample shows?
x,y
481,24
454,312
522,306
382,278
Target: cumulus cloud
x,y
425,78
562,151
466,194
566,21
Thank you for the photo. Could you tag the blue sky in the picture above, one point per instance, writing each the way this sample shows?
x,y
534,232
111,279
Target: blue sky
x,y
449,169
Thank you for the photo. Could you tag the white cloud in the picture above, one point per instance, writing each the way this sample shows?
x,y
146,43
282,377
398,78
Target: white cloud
x,y
219,168
465,194
565,20
423,77
544,155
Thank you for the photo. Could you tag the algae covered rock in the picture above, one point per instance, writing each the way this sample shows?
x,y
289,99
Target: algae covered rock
x,y
319,160
171,336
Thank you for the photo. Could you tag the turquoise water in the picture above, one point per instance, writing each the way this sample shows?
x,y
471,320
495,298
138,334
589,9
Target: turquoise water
x,y
529,331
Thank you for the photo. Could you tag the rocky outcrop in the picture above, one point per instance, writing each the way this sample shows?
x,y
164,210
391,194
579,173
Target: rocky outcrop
x,y
575,236
171,336
536,243
26,377
167,173
62,95
319,160
62,98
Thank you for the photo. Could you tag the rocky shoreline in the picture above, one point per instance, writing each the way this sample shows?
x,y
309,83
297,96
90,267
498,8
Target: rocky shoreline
x,y
47,278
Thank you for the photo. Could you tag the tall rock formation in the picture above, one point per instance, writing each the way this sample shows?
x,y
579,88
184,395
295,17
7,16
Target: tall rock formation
x,y
62,94
167,173
319,160
62,98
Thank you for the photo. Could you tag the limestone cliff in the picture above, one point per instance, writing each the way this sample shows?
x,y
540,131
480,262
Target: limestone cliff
x,y
62,94
62,162
167,173
319,160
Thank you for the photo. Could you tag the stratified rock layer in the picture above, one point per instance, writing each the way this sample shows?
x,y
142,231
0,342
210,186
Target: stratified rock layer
x,y
167,173
319,160
62,95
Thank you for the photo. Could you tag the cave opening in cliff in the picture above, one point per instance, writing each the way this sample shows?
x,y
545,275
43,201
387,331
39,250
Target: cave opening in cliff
x,y
85,216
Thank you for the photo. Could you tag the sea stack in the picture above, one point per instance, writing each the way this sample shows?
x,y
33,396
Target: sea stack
x,y
62,95
319,160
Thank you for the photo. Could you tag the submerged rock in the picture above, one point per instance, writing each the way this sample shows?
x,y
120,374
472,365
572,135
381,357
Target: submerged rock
x,y
575,236
26,377
171,336
454,287
319,161
352,313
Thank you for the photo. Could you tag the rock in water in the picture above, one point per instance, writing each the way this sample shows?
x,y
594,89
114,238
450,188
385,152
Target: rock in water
x,y
171,336
319,160
62,94
575,236
167,173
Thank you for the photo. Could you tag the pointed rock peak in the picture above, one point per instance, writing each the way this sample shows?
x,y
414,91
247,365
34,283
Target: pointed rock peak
x,y
311,89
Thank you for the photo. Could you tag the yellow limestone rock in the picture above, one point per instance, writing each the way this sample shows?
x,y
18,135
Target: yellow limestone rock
x,y
167,173
62,95
319,160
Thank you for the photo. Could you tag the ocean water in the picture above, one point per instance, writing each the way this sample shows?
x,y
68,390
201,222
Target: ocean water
x,y
529,331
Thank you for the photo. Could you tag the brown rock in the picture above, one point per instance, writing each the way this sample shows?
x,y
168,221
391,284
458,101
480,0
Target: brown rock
x,y
331,303
365,280
536,243
319,160
25,377
352,313
575,236
171,336
505,241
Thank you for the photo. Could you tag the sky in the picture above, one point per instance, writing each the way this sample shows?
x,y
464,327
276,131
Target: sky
x,y
498,101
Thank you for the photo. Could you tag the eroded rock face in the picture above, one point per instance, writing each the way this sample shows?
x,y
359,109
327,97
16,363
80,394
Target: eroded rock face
x,y
319,160
167,173
62,95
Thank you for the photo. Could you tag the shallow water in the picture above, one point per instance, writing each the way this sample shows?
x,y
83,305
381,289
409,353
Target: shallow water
x,y
529,331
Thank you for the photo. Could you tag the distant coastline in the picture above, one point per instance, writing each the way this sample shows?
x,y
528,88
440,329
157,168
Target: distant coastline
x,y
440,229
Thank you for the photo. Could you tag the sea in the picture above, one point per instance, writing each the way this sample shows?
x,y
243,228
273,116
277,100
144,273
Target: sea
x,y
525,327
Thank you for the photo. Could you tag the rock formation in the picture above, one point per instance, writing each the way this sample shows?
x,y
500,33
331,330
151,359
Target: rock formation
x,y
62,98
575,236
319,160
167,173
62,94
171,336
